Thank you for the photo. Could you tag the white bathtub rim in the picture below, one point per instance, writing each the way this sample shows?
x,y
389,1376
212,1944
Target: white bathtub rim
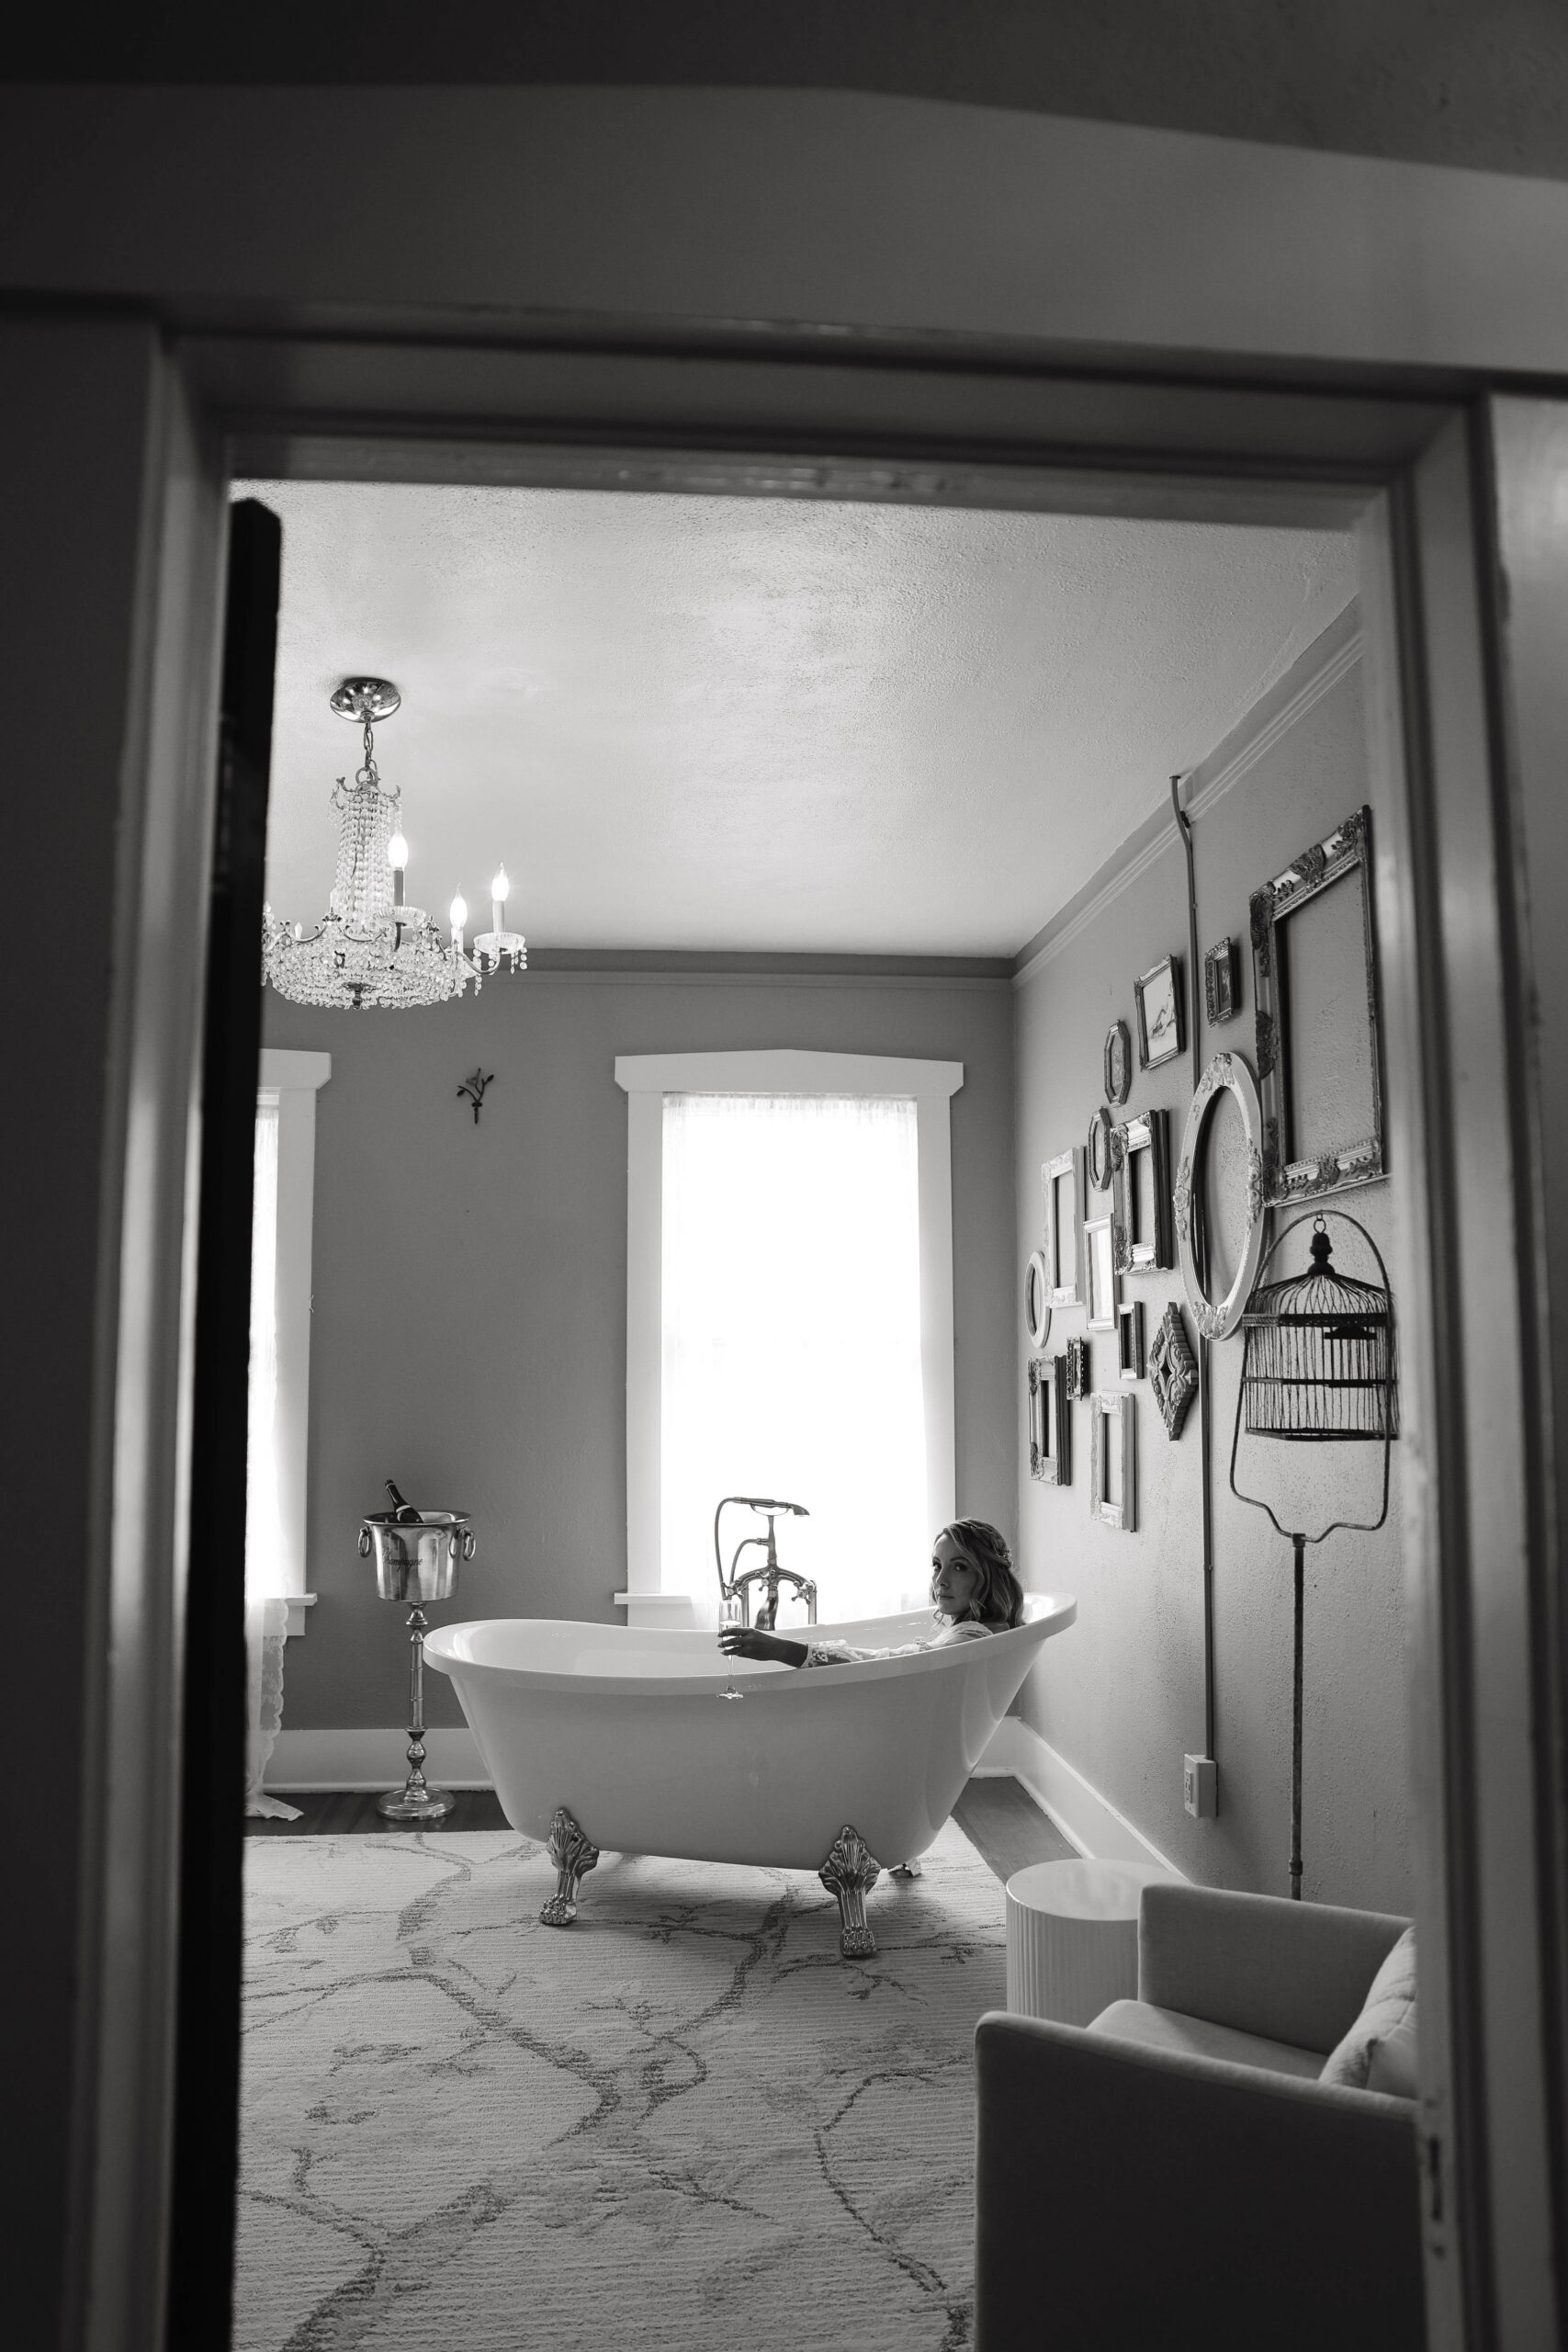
x,y
1045,1614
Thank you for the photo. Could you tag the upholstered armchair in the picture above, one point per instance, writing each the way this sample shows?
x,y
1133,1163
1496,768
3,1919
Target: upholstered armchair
x,y
1176,2174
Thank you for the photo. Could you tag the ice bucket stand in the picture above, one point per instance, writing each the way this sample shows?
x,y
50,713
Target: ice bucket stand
x,y
416,1562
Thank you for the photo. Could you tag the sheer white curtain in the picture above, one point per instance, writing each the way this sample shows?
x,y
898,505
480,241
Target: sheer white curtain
x,y
267,1613
791,1282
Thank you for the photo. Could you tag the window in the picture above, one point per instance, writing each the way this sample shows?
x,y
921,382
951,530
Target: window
x,y
280,1328
789,1320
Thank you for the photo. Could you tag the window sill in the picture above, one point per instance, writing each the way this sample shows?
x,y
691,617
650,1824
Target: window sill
x,y
298,1604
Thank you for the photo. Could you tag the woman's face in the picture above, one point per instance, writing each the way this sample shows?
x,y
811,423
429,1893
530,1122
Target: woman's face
x,y
955,1579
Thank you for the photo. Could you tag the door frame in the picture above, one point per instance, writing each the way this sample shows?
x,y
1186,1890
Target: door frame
x,y
1415,477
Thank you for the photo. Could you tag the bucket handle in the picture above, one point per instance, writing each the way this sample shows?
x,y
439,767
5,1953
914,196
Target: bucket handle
x,y
467,1542
364,1543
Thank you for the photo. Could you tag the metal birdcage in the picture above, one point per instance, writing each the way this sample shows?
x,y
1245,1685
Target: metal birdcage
x,y
1319,1353
1319,1368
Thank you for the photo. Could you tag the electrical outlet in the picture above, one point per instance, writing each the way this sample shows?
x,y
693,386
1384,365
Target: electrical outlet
x,y
1201,1786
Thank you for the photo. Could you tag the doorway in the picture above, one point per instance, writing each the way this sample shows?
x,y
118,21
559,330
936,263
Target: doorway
x,y
1406,480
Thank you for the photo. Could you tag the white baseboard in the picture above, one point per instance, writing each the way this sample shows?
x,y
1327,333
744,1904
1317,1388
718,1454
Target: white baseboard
x,y
1085,1819
372,1759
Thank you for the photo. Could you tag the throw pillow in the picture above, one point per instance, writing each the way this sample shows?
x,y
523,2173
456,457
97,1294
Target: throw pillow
x,y
1393,2060
1390,2005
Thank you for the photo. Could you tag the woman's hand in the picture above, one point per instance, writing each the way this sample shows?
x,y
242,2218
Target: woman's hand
x,y
744,1641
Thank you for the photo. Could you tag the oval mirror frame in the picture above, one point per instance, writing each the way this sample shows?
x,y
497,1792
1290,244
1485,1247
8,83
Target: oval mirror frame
x,y
1226,1074
1036,1300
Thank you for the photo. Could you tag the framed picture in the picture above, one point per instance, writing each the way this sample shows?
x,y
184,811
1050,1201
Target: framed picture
x,y
1036,1301
1129,1341
1222,983
1113,1474
1079,1370
1118,1063
1100,1272
1142,1194
1315,1007
1062,1182
1162,1031
1049,1422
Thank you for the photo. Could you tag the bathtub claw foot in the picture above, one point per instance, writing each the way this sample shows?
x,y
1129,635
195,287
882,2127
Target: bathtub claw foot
x,y
850,1872
574,1854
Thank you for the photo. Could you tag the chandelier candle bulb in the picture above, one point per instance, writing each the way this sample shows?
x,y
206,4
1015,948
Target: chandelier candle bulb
x,y
397,858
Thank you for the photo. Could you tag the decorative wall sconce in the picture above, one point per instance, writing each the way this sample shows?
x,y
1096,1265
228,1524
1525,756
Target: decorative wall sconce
x,y
1050,1423
1129,1341
1079,1379
1173,1374
474,1089
1222,983
1115,1461
1036,1301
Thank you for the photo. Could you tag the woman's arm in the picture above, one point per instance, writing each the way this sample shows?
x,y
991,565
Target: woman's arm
x,y
744,1641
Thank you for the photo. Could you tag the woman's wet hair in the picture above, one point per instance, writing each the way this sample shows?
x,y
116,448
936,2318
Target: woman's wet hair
x,y
999,1598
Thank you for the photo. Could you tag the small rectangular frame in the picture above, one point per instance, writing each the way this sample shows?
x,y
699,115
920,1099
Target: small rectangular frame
x,y
1049,1422
1101,1283
1142,1253
1222,983
1359,1159
1116,1425
1063,1252
1158,999
1129,1341
1080,1375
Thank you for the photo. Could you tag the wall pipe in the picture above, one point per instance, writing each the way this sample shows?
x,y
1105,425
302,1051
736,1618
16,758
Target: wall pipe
x,y
1200,1253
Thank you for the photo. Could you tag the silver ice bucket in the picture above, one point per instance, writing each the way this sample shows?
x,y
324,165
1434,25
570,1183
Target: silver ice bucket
x,y
416,1564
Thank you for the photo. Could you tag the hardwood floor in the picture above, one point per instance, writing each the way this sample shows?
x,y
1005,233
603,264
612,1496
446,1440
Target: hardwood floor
x,y
999,1818
351,1813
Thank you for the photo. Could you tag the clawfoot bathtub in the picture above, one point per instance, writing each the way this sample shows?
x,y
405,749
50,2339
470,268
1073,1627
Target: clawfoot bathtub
x,y
650,1742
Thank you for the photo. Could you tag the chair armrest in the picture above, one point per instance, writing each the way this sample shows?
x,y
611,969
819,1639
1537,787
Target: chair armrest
x,y
1130,2196
1293,1972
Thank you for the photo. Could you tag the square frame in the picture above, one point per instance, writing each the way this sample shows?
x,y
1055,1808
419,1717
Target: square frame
x,y
1116,1425
1049,1422
1152,1253
1346,852
1100,1249
1063,1254
1162,984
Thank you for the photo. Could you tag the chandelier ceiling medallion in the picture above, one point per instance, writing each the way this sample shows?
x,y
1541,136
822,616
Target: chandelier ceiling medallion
x,y
371,947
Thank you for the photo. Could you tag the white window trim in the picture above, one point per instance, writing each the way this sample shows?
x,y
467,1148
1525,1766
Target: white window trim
x,y
292,1080
647,1079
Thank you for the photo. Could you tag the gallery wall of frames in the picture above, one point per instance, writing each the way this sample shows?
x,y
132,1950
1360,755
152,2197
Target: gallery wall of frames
x,y
1147,1199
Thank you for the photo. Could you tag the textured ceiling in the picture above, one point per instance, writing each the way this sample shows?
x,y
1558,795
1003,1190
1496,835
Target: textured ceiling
x,y
715,723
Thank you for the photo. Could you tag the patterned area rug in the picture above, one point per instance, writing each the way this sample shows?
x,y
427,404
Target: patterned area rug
x,y
684,2122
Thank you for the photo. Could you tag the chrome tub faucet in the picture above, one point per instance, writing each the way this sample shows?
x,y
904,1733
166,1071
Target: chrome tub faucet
x,y
734,1591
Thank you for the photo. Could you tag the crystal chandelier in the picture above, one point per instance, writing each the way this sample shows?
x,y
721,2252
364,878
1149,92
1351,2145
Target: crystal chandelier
x,y
371,947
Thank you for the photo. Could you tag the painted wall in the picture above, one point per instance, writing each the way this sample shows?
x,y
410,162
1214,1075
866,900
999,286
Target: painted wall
x,y
470,1281
1120,1698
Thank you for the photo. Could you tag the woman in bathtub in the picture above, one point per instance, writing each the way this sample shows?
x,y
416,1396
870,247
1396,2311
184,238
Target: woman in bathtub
x,y
975,1591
